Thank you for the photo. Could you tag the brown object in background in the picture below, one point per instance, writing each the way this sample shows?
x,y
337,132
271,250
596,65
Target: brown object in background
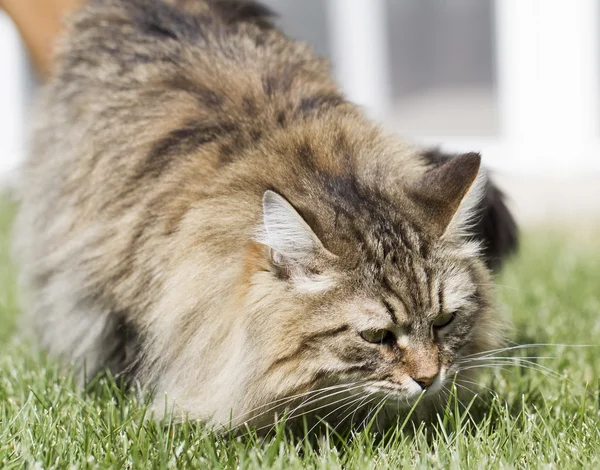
x,y
39,22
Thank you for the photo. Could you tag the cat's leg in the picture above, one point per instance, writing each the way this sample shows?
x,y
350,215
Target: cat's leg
x,y
75,329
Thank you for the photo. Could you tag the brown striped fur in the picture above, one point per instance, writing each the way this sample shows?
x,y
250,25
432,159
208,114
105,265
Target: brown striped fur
x,y
143,236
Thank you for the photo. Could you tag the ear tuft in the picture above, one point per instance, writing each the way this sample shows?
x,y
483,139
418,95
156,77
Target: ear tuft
x,y
286,233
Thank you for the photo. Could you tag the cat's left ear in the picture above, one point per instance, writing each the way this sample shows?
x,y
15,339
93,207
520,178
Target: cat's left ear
x,y
447,196
284,231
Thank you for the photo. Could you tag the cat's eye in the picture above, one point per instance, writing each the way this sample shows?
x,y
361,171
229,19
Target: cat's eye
x,y
378,336
443,320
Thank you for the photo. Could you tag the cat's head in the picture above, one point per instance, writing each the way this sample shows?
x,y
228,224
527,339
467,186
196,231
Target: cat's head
x,y
385,296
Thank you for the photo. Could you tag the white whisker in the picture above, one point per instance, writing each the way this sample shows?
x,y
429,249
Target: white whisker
x,y
312,401
311,394
368,398
532,345
323,420
374,410
312,410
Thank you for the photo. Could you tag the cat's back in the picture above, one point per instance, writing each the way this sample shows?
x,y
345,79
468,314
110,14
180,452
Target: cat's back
x,y
143,84
151,101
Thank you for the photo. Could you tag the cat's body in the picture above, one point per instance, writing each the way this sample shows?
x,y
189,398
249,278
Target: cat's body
x,y
154,240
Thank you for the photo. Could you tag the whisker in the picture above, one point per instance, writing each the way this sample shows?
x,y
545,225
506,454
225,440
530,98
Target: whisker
x,y
516,361
456,394
462,381
473,382
532,345
313,401
281,401
525,365
369,397
312,410
529,365
309,398
323,420
484,358
374,410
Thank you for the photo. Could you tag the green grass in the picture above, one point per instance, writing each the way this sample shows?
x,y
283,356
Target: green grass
x,y
536,418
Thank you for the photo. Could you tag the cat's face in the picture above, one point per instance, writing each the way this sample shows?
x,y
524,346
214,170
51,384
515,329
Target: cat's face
x,y
391,317
407,329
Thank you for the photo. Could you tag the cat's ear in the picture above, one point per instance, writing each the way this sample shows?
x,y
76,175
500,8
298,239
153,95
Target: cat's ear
x,y
446,197
284,231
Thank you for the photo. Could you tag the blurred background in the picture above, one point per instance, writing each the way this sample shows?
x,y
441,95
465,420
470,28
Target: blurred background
x,y
515,80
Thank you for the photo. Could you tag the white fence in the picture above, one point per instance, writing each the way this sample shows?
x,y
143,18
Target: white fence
x,y
546,98
13,84
547,83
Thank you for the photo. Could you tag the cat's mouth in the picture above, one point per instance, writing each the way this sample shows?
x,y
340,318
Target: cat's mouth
x,y
408,391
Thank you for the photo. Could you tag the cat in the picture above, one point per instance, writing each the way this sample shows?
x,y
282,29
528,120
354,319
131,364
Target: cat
x,y
205,214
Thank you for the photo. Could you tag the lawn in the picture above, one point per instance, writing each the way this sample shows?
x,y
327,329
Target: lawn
x,y
542,410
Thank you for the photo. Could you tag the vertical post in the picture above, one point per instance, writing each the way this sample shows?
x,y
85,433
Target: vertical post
x,y
360,51
548,83
12,99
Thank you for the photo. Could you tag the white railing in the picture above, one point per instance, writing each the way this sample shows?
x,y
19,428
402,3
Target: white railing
x,y
13,82
360,47
547,81
547,86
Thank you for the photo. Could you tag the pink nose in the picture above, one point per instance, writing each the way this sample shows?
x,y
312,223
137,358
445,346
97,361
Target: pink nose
x,y
425,381
422,364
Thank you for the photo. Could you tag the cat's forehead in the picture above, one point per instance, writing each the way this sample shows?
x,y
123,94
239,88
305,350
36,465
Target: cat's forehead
x,y
390,255
377,237
422,279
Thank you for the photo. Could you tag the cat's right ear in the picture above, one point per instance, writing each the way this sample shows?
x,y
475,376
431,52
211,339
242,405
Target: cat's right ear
x,y
292,242
494,225
446,196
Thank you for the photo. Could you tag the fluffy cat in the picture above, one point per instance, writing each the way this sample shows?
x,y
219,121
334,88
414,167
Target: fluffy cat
x,y
204,212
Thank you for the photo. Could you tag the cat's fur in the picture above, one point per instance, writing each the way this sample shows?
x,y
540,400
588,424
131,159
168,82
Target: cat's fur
x,y
203,211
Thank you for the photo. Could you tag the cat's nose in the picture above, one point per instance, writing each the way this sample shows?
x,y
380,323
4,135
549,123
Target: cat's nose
x,y
422,364
425,381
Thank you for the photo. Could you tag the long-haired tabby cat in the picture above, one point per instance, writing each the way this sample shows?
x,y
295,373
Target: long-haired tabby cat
x,y
204,213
